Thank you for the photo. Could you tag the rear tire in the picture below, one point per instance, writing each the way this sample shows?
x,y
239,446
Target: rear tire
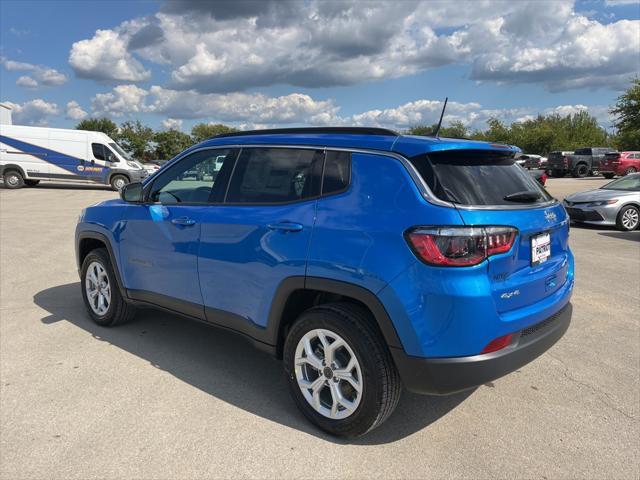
x,y
99,280
630,171
118,182
31,183
609,176
379,382
13,179
628,219
580,171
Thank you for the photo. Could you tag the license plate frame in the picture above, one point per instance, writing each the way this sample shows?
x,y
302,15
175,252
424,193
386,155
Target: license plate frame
x,y
540,248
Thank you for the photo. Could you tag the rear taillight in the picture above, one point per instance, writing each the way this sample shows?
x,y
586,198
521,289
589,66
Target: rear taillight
x,y
459,246
543,178
565,160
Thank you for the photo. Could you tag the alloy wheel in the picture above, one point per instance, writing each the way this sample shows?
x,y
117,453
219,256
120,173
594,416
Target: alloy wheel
x,y
630,219
97,288
328,374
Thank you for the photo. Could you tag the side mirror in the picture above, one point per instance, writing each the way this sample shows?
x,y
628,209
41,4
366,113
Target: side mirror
x,y
132,193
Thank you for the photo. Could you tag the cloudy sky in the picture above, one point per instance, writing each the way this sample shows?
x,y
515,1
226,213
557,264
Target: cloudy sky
x,y
281,63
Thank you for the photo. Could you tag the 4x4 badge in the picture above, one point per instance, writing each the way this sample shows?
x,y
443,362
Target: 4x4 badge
x,y
550,216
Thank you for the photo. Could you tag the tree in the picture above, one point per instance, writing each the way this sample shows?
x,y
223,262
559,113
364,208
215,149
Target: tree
x,y
135,138
103,125
170,143
627,113
202,131
455,129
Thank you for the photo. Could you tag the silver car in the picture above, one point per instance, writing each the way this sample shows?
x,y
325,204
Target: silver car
x,y
616,203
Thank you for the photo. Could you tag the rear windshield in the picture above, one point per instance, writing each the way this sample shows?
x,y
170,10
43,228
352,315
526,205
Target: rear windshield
x,y
479,178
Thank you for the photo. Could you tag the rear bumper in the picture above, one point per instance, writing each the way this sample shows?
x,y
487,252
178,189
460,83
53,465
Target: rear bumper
x,y
441,376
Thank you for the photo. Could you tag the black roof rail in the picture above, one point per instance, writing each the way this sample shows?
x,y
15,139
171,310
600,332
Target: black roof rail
x,y
312,130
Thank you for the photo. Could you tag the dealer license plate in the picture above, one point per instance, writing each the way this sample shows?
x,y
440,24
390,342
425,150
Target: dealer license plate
x,y
540,249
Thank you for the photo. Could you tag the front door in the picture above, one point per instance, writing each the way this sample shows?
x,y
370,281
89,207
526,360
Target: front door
x,y
260,236
159,240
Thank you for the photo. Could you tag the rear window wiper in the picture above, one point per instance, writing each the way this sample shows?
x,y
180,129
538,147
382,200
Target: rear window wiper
x,y
525,196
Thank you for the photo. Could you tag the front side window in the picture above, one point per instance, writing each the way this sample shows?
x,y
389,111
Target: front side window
x,y
99,152
275,175
102,152
198,178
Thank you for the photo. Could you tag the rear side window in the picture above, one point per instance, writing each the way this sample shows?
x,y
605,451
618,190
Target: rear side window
x,y
337,172
583,151
478,178
275,175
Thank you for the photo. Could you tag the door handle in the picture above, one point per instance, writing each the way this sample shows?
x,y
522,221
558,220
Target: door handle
x,y
285,226
183,221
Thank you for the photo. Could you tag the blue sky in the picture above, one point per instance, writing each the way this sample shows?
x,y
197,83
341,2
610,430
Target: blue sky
x,y
253,64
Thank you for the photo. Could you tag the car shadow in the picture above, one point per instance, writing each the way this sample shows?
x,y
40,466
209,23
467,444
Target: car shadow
x,y
226,366
633,236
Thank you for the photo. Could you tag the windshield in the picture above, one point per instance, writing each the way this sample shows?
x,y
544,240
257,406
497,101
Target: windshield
x,y
120,151
478,178
630,183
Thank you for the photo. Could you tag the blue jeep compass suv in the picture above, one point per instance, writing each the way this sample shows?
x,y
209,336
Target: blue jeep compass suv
x,y
366,260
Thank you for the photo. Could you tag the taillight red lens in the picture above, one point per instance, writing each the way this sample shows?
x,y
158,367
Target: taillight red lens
x,y
498,344
460,246
543,178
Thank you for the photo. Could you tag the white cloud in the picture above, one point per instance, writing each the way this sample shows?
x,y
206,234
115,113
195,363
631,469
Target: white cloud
x,y
39,74
583,53
123,99
172,124
27,82
250,111
105,57
33,112
220,47
615,3
252,108
74,111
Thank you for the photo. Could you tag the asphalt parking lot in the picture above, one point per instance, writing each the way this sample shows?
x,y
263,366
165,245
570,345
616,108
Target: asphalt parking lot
x,y
164,397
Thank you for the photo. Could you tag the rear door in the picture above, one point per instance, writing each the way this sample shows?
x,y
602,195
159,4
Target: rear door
x,y
489,189
260,235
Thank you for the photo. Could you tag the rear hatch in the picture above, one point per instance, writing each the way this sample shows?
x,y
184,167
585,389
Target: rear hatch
x,y
556,160
488,189
610,162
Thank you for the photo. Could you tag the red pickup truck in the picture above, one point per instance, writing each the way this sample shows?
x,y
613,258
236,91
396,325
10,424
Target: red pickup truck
x,y
620,163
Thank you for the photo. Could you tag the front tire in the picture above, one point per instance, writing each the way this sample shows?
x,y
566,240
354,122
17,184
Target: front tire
x,y
628,219
339,370
118,182
630,171
100,291
13,179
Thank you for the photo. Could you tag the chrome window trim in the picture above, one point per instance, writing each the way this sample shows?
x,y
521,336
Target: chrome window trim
x,y
424,189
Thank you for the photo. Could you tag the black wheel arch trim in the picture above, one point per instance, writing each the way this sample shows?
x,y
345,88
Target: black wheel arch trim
x,y
12,166
89,234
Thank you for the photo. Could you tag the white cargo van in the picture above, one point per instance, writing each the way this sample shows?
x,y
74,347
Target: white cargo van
x,y
31,154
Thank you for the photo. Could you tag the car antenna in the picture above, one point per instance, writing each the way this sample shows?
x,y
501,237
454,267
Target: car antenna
x,y
437,132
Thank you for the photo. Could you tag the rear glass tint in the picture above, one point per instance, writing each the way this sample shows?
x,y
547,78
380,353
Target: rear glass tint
x,y
479,178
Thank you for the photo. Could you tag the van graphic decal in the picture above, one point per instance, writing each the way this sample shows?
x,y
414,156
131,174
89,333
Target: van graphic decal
x,y
61,160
